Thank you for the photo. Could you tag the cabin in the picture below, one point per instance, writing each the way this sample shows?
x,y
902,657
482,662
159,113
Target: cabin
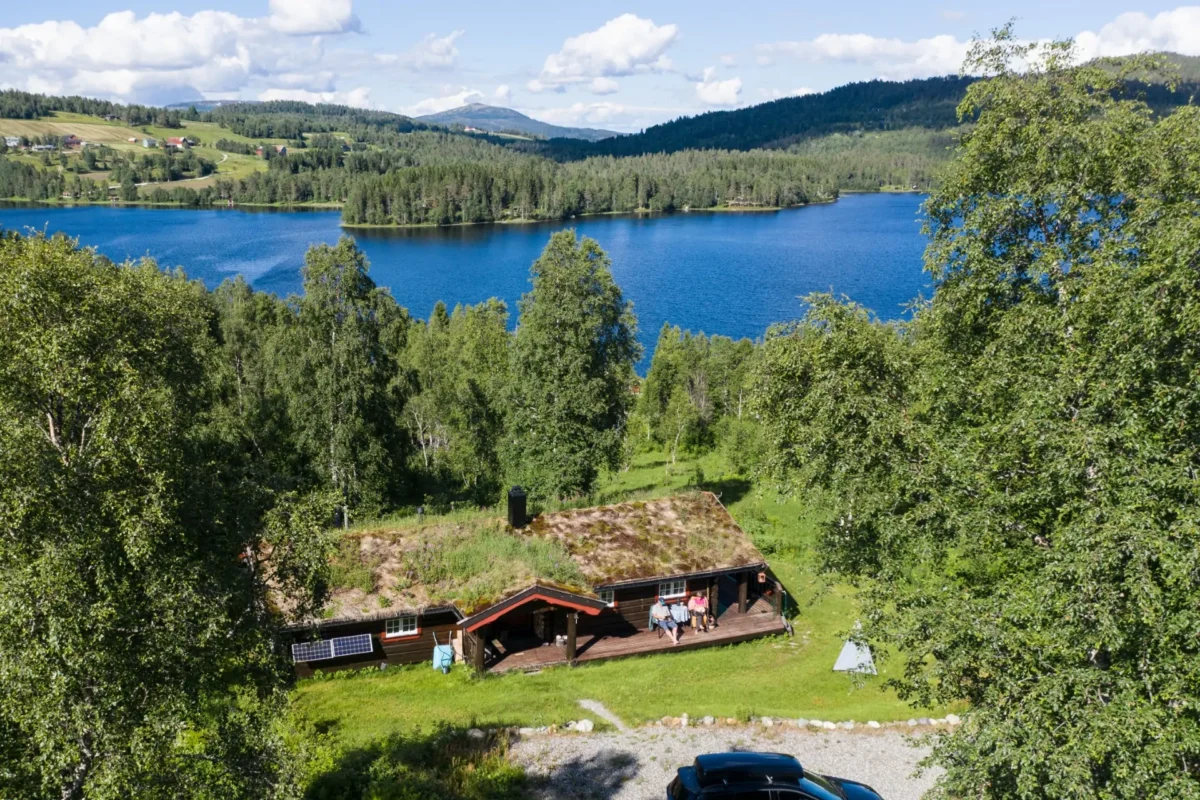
x,y
566,587
12,141
178,142
71,140
149,141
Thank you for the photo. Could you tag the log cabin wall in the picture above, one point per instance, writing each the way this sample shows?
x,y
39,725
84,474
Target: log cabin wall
x,y
632,611
391,651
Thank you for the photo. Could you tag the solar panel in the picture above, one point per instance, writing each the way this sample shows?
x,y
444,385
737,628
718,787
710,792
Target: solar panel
x,y
312,651
352,645
358,645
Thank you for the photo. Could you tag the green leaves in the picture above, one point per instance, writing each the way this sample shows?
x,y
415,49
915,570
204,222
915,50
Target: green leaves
x,y
1016,470
136,653
572,371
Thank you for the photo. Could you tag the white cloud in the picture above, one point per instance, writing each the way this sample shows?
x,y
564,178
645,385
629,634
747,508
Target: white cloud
x,y
714,92
503,93
444,102
1177,31
625,45
434,52
603,86
605,114
359,98
728,61
161,57
775,94
312,17
891,58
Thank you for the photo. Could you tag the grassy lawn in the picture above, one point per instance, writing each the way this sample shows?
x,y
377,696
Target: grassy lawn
x,y
779,677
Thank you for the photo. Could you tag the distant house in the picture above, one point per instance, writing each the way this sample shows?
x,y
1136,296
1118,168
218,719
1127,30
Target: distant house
x,y
43,148
132,140
12,141
110,117
71,140
279,148
470,129
179,142
619,560
149,142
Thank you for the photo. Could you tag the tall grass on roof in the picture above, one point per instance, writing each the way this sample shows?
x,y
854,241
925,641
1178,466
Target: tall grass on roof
x,y
490,563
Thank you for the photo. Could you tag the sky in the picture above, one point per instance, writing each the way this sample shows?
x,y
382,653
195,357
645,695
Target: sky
x,y
621,66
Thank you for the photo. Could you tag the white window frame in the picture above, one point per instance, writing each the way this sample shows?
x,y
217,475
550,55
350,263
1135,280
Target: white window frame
x,y
607,596
398,626
671,590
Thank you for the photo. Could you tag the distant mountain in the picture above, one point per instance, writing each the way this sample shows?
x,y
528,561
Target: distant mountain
x,y
504,120
876,105
869,105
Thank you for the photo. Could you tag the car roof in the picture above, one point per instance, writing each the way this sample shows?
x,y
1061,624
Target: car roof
x,y
723,769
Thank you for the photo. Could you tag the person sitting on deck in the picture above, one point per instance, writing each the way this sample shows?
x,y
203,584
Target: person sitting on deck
x,y
698,606
660,615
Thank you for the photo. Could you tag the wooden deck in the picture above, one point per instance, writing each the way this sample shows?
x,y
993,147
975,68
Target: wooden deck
x,y
758,621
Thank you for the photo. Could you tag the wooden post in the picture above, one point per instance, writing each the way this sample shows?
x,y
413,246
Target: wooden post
x,y
743,591
571,617
478,654
778,599
712,600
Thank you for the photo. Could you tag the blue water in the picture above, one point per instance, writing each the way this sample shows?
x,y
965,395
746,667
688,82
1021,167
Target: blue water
x,y
727,273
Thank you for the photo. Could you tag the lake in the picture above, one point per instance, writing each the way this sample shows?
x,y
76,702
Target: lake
x,y
727,273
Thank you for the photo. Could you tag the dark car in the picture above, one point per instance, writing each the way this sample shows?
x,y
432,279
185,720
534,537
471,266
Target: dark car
x,y
760,776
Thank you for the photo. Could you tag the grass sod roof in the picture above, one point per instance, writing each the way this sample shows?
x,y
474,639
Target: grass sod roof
x,y
381,573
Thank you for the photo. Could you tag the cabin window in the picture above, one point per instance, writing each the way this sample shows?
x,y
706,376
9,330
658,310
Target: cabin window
x,y
670,589
606,597
401,626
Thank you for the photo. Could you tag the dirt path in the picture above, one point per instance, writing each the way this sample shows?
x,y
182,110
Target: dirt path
x,y
640,763
597,708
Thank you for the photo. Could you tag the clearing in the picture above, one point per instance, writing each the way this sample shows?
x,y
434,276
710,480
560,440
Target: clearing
x,y
778,677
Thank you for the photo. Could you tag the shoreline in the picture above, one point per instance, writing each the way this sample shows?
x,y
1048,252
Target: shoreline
x,y
300,207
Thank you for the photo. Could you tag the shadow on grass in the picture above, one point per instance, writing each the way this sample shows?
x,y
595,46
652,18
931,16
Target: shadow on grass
x,y
729,490
449,764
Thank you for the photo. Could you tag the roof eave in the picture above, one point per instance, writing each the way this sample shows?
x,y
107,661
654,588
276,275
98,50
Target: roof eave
x,y
755,565
374,616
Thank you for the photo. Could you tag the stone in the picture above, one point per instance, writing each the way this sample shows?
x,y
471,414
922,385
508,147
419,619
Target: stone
x,y
912,723
829,726
800,723
527,731
816,723
731,721
846,726
684,721
924,721
706,721
953,719
475,733
767,722
872,724
585,726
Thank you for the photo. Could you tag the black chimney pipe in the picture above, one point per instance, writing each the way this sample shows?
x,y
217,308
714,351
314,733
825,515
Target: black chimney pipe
x,y
516,507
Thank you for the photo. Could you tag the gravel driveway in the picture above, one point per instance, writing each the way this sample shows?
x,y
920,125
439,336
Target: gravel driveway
x,y
639,763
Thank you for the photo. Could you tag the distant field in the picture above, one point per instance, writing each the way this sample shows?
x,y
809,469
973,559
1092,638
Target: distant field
x,y
116,135
92,131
